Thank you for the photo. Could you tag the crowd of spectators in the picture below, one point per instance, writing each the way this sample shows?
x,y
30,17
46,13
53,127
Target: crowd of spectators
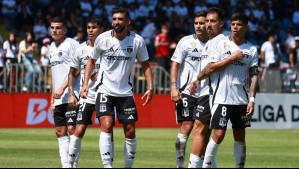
x,y
266,17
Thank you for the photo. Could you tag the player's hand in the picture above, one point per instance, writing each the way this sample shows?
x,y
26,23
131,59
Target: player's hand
x,y
238,55
176,96
193,88
94,77
250,109
84,92
73,102
149,95
58,93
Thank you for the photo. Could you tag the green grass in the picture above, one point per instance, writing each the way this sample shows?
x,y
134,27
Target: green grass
x,y
38,148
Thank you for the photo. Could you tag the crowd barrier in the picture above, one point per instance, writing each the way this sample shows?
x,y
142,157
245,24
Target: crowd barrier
x,y
272,111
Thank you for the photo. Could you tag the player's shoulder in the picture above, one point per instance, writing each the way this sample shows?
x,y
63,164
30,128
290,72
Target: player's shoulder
x,y
251,47
72,41
135,36
218,39
104,35
81,47
188,39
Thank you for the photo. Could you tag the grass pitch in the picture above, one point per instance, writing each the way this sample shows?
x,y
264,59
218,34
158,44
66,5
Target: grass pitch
x,y
38,148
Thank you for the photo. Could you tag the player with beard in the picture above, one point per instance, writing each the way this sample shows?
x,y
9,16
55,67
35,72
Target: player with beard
x,y
201,131
117,50
230,100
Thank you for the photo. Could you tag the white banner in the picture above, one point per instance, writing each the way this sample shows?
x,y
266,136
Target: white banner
x,y
276,111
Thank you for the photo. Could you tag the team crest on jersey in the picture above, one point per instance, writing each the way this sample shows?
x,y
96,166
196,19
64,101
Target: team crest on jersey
x,y
193,45
85,52
60,54
130,49
226,46
108,44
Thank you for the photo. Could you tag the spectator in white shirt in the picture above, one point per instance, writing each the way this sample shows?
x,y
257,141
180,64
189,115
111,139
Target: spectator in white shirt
x,y
271,53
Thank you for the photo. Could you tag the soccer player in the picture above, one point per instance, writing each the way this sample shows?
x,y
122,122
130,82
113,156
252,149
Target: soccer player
x,y
230,99
201,132
185,66
117,49
95,27
61,52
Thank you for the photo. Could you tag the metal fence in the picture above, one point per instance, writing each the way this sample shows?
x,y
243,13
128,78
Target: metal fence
x,y
13,77
270,80
279,81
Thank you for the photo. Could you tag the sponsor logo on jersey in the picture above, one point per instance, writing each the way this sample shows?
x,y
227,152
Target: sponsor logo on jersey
x,y
195,50
227,53
238,63
119,58
56,63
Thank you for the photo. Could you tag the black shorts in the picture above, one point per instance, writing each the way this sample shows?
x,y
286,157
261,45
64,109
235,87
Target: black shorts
x,y
124,107
235,113
185,109
85,113
203,110
63,116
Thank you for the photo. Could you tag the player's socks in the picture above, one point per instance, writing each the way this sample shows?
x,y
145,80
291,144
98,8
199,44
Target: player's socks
x,y
105,146
74,150
195,161
240,154
180,145
210,154
129,151
64,143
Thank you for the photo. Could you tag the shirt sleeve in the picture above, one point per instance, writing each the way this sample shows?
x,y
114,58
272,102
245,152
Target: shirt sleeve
x,y
142,54
97,50
179,53
75,61
5,45
263,48
22,46
74,46
255,58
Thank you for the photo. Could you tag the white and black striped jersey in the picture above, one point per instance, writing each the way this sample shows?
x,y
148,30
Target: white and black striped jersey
x,y
117,59
79,61
60,60
188,55
210,46
229,84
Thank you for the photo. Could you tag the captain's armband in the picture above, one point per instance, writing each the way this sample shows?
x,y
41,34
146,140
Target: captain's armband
x,y
253,71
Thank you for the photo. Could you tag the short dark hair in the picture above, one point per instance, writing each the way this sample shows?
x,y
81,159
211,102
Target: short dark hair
x,y
200,14
96,19
121,10
241,17
58,20
218,11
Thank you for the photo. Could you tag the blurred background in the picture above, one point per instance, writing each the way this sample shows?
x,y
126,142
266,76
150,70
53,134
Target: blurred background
x,y
277,19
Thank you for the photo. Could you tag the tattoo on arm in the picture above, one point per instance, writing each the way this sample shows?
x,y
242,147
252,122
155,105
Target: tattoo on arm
x,y
72,79
254,85
204,73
